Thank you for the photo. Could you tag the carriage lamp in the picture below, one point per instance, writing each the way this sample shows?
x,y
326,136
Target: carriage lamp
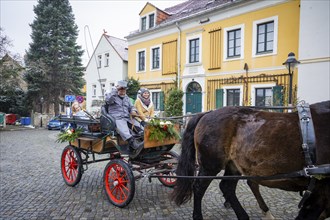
x,y
41,102
290,64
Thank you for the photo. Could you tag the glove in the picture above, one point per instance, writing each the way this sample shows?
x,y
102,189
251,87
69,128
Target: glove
x,y
143,123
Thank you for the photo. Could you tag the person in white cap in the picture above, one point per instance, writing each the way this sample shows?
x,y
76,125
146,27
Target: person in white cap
x,y
121,108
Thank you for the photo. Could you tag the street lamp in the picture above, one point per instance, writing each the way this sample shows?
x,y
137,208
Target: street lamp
x,y
41,101
290,64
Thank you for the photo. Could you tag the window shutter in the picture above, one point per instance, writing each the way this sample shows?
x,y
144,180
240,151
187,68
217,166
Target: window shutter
x,y
278,96
169,57
215,49
219,98
161,101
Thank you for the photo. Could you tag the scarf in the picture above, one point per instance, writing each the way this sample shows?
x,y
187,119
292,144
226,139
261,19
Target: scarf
x,y
145,101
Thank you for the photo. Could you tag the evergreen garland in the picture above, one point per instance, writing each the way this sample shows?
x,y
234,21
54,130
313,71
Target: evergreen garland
x,y
69,135
161,130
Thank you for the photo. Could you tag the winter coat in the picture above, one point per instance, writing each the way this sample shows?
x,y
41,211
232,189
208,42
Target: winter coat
x,y
119,108
144,111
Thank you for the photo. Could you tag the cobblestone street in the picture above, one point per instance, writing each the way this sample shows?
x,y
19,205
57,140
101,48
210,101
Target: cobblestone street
x,y
32,187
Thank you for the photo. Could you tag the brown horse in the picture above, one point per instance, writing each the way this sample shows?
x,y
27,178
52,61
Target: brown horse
x,y
245,141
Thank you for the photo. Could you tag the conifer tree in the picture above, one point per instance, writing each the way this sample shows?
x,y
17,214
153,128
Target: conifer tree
x,y
54,67
174,103
133,87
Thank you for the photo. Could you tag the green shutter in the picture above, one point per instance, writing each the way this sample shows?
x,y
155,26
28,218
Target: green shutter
x,y
161,101
219,98
278,96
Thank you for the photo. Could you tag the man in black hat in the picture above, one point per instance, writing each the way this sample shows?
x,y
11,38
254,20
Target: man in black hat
x,y
121,108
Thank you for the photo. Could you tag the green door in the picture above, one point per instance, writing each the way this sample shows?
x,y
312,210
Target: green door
x,y
194,98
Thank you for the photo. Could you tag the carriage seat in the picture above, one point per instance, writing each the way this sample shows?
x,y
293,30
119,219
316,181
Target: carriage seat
x,y
88,129
108,122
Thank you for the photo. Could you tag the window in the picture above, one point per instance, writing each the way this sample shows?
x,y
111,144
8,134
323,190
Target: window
x,y
263,96
141,61
234,43
151,20
99,59
103,88
233,97
265,37
194,50
143,23
265,33
155,58
158,100
106,59
94,90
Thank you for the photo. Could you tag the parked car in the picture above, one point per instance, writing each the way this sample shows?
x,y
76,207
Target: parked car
x,y
55,124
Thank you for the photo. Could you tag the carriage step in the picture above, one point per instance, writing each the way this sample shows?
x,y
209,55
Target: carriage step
x,y
173,160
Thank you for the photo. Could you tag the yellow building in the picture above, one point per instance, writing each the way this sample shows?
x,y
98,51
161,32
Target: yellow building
x,y
219,53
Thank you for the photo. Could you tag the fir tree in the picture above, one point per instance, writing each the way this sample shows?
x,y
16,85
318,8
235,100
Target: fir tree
x,y
174,103
133,88
54,67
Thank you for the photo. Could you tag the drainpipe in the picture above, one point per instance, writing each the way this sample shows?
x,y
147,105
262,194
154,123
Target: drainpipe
x,y
179,54
246,81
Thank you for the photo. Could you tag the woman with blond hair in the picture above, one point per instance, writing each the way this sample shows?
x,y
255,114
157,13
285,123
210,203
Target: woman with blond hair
x,y
77,109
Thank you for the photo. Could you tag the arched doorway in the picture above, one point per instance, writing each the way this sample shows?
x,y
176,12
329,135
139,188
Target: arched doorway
x,y
194,98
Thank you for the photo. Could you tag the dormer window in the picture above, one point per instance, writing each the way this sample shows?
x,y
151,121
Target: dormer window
x,y
151,20
143,23
148,21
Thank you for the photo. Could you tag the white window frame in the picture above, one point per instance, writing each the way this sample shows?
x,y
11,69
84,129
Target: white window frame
x,y
141,22
106,59
225,46
148,19
232,87
196,36
160,57
94,87
256,86
254,36
151,92
103,88
137,60
99,61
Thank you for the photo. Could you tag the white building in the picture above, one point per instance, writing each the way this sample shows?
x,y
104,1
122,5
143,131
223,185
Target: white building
x,y
314,51
107,65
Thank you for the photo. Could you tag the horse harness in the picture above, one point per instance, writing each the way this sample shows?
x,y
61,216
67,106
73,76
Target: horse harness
x,y
309,149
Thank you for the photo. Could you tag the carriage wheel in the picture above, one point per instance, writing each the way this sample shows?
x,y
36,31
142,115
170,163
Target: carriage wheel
x,y
119,183
167,181
71,166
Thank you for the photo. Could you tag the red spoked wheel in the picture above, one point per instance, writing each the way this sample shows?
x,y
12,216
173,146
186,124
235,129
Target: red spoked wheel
x,y
167,181
119,183
71,165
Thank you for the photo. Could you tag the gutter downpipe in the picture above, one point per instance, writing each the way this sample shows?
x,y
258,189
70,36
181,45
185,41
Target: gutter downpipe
x,y
179,54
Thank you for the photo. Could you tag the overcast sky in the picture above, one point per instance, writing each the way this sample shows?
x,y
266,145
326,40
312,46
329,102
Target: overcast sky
x,y
117,17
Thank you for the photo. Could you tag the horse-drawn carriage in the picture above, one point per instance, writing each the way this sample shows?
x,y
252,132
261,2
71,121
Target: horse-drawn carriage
x,y
278,150
98,141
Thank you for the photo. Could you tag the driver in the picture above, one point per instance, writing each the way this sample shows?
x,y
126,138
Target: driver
x,y
120,108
